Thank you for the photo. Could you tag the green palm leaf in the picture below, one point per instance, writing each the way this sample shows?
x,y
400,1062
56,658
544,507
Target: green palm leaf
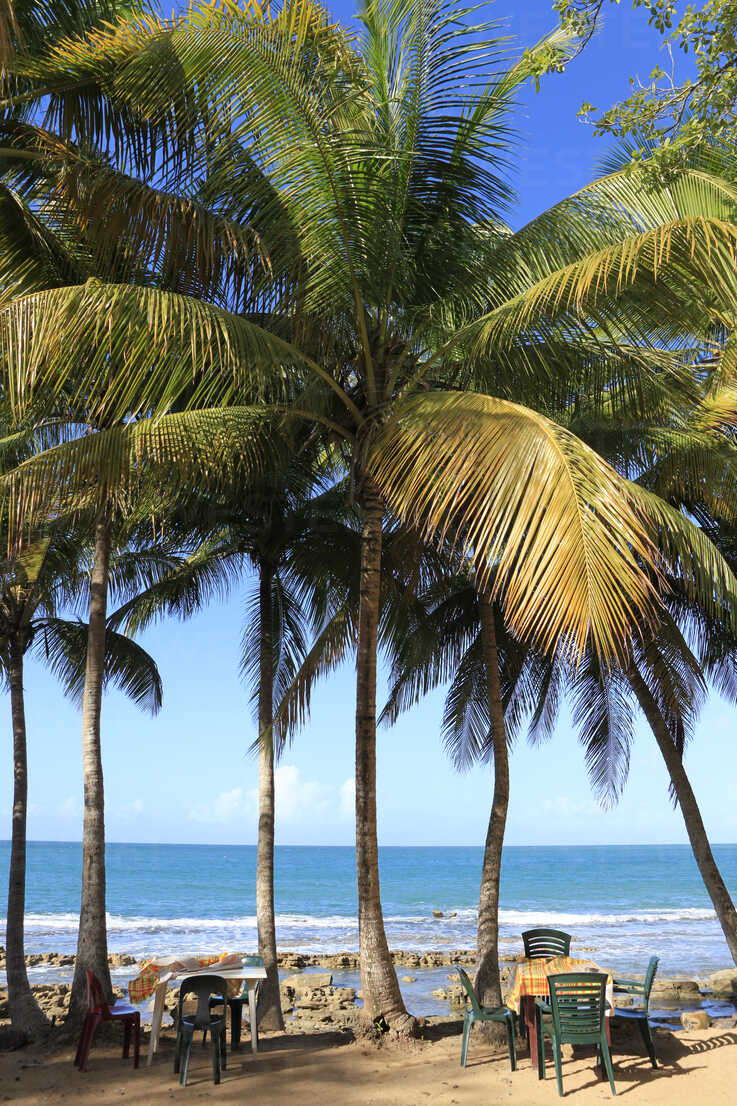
x,y
140,465
63,645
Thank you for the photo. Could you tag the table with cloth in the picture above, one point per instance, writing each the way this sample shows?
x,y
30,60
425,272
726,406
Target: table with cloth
x,y
531,983
235,969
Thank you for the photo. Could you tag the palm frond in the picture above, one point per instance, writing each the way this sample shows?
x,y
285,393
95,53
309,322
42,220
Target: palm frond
x,y
331,647
690,557
177,589
465,724
554,522
115,351
62,645
662,263
209,447
602,713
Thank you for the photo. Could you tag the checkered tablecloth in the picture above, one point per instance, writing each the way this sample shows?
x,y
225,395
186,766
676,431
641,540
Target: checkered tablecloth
x,y
532,976
147,980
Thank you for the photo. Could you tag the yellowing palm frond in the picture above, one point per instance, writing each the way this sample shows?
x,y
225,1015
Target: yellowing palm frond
x,y
554,522
113,351
718,410
664,261
689,556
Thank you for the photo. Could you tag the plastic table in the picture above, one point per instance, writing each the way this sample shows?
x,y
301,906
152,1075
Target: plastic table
x,y
251,973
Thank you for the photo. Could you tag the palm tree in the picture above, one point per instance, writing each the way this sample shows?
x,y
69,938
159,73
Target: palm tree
x,y
46,576
668,682
689,461
673,757
496,680
383,167
47,243
300,540
456,634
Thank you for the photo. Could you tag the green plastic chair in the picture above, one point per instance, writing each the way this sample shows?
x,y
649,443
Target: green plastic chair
x,y
479,1013
202,987
638,989
575,1015
236,1004
544,944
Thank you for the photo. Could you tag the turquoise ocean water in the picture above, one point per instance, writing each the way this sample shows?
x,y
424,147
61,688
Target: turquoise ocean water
x,y
624,902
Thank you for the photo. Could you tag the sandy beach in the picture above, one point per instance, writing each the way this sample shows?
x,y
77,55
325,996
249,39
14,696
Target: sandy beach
x,y
317,1069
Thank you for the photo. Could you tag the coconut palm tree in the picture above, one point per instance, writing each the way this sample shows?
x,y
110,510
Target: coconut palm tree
x,y
35,586
456,634
383,163
300,540
48,243
668,681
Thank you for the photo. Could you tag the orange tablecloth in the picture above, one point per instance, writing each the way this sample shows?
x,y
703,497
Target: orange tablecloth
x,y
532,976
145,983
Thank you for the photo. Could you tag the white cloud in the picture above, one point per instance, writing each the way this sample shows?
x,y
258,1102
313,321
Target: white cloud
x,y
348,798
225,807
229,804
296,798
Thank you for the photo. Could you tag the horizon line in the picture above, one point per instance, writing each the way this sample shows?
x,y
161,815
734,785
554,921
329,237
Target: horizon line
x,y
295,845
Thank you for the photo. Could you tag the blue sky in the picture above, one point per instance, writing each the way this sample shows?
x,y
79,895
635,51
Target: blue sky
x,y
185,776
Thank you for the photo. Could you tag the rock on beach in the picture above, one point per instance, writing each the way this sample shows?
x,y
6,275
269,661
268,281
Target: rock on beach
x,y
723,984
675,990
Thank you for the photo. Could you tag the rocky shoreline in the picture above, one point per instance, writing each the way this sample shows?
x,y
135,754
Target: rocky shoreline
x,y
312,1000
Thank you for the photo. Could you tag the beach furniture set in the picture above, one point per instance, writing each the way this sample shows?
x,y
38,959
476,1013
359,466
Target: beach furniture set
x,y
556,996
241,976
564,999
217,982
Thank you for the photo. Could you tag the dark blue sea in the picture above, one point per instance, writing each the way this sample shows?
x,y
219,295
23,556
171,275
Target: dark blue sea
x,y
623,902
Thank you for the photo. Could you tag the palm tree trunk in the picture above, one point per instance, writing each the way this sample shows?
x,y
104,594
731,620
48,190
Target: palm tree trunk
x,y
718,893
269,999
25,1013
92,939
381,994
488,982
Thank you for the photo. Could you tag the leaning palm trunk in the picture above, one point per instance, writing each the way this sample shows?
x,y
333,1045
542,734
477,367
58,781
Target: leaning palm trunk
x,y
379,982
25,1013
92,940
718,893
269,999
488,982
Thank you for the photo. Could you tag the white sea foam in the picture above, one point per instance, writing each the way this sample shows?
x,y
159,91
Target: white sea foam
x,y
66,923
648,917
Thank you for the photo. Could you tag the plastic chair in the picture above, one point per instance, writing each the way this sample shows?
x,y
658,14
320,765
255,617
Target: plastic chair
x,y
236,1016
99,1011
202,986
236,1004
544,944
479,1013
639,989
575,1015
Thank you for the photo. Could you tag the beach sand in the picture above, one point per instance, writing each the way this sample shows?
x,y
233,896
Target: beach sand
x,y
316,1070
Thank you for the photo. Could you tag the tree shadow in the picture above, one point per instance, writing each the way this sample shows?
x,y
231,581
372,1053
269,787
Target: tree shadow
x,y
440,1030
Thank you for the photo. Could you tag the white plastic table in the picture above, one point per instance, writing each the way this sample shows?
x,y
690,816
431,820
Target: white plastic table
x,y
249,973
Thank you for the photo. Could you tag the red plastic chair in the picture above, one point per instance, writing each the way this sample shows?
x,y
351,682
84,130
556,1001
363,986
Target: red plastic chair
x,y
99,1011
